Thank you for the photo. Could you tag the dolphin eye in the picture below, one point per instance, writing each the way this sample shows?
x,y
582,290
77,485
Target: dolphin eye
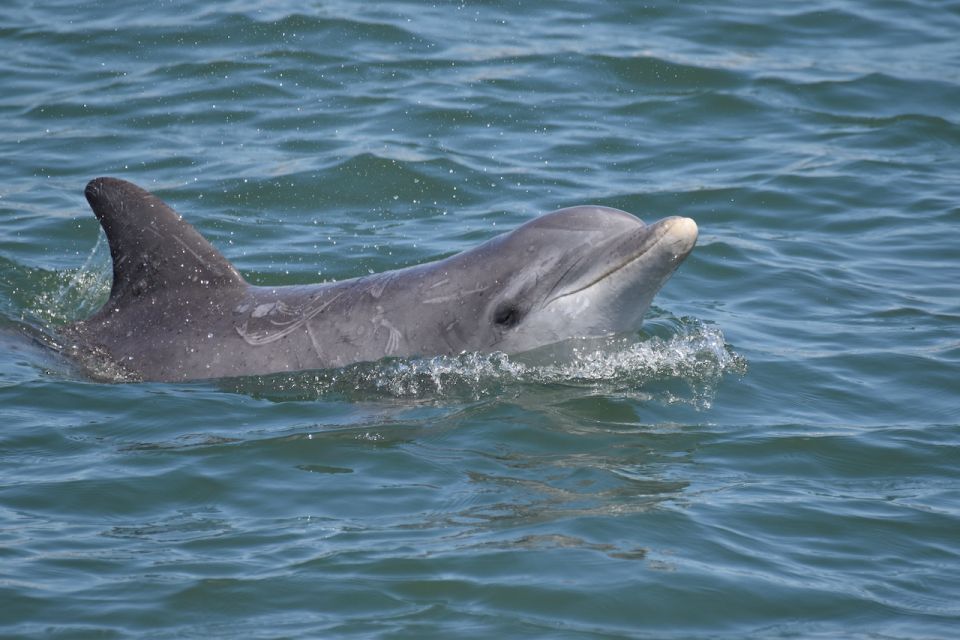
x,y
507,316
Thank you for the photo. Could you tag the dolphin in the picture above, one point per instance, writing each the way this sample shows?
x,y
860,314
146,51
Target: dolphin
x,y
179,310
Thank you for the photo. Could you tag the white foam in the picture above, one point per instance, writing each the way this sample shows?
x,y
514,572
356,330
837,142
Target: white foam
x,y
685,367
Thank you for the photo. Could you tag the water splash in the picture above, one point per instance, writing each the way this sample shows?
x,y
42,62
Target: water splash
x,y
65,296
89,286
684,367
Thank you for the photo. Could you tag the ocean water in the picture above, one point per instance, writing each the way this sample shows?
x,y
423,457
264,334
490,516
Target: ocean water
x,y
775,455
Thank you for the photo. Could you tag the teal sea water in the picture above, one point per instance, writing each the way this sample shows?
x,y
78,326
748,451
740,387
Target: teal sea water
x,y
775,455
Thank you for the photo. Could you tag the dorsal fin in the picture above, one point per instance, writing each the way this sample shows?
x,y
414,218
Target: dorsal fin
x,y
151,245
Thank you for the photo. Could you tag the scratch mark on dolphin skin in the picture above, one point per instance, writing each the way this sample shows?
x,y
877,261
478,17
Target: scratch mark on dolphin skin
x,y
377,288
263,309
313,340
393,341
266,336
454,296
394,335
449,333
189,250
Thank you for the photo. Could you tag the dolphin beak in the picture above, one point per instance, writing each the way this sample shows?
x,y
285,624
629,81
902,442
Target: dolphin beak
x,y
682,234
660,247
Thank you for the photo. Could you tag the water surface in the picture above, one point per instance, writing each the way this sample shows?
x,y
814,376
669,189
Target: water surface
x,y
774,455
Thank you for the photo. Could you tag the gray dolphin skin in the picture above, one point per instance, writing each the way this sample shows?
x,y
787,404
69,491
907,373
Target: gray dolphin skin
x,y
178,310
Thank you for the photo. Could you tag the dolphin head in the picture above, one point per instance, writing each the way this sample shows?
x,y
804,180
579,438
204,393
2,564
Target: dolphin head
x,y
578,272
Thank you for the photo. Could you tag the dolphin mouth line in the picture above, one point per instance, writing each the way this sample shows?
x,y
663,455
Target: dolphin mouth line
x,y
645,249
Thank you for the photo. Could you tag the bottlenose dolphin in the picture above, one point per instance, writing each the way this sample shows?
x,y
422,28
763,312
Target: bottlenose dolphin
x,y
179,310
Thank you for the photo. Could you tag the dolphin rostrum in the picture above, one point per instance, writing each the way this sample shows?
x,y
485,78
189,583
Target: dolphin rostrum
x,y
179,310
